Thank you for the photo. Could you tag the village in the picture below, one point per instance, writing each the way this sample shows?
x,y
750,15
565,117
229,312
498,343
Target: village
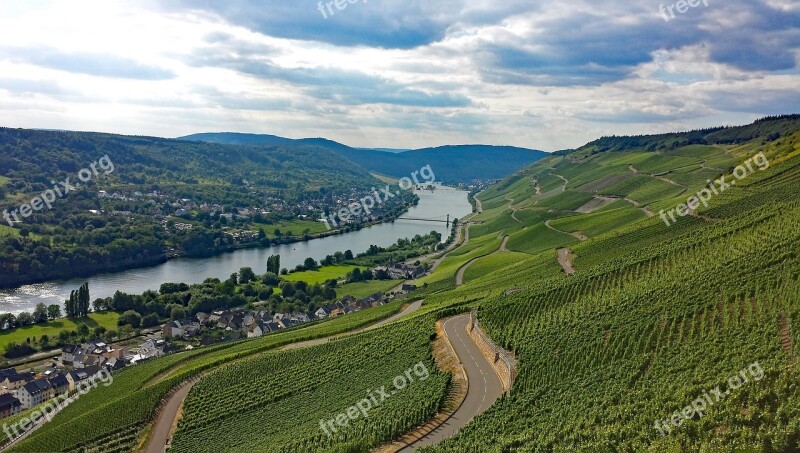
x,y
81,362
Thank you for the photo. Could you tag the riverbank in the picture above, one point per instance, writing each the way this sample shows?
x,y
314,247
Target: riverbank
x,y
72,272
192,270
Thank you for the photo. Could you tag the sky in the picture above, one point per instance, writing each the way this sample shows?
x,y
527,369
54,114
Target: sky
x,y
398,73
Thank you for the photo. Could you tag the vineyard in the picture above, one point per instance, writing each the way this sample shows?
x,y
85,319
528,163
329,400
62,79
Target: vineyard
x,y
656,316
279,399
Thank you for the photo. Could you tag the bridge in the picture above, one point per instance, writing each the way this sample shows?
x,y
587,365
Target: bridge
x,y
427,220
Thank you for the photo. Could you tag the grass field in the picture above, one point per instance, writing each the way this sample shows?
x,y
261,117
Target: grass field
x,y
323,274
296,227
364,289
53,328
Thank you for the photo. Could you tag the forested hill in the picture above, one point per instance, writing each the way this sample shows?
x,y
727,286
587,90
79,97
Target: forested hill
x,y
154,197
767,129
202,171
455,163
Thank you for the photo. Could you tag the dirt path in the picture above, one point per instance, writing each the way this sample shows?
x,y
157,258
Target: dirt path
x,y
461,270
513,209
565,260
662,178
566,181
167,419
168,416
576,234
644,209
504,245
478,205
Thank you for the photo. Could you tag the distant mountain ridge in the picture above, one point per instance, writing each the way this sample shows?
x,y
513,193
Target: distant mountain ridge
x,y
451,163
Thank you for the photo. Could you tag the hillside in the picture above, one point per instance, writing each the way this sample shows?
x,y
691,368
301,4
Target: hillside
x,y
617,319
452,164
147,182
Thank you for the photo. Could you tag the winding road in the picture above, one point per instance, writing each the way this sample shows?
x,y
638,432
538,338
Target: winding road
x,y
484,387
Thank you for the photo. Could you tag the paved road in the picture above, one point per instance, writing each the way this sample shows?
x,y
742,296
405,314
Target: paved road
x,y
484,386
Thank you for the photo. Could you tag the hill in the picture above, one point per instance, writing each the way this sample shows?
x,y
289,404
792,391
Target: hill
x,y
123,215
452,164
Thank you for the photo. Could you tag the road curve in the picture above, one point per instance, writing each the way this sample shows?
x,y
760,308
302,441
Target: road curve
x,y
169,413
483,389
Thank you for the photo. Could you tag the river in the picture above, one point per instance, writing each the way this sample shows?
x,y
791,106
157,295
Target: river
x,y
432,205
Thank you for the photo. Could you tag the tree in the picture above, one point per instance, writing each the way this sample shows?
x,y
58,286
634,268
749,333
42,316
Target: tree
x,y
310,264
150,320
274,264
271,279
77,306
130,317
40,313
265,293
348,254
246,275
177,313
83,330
24,319
287,289
100,304
355,276
7,321
14,350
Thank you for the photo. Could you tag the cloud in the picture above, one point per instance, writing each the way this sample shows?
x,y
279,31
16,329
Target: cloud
x,y
101,65
342,86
